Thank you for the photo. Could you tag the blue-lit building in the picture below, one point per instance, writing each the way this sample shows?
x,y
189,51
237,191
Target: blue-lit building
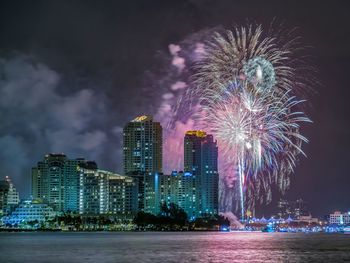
x,y
339,218
178,188
30,211
201,160
184,192
55,180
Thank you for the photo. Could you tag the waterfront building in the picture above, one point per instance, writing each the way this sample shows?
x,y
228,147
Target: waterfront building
x,y
150,201
306,219
300,208
284,209
9,197
178,188
104,192
201,160
30,211
93,191
165,192
339,218
294,209
142,157
139,178
56,181
184,192
142,146
123,193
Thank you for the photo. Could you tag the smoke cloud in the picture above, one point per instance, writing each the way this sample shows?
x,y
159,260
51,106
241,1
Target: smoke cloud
x,y
173,113
37,118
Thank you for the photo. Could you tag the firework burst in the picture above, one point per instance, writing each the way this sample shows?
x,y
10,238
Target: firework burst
x,y
245,87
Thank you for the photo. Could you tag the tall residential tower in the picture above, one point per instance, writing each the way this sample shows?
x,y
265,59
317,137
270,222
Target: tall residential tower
x,y
201,160
142,146
142,157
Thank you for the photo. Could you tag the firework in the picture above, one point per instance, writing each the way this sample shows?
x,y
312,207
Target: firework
x,y
245,87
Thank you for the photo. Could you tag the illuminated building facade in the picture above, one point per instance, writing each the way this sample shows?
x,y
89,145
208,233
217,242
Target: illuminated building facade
x,y
284,209
300,208
103,192
55,180
178,188
123,192
150,201
30,211
339,218
142,157
201,160
142,146
9,197
94,191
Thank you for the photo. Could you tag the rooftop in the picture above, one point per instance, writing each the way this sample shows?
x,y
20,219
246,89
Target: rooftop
x,y
197,133
142,118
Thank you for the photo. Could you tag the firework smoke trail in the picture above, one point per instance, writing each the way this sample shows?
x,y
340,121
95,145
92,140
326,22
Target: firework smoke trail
x,y
218,81
245,89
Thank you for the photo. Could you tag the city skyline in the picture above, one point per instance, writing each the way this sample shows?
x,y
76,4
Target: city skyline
x,y
174,131
200,158
72,94
78,186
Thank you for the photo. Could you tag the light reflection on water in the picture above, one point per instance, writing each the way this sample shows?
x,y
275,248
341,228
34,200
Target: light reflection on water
x,y
174,247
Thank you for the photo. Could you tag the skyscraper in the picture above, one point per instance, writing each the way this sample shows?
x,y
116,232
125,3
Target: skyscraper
x,y
142,157
142,146
201,160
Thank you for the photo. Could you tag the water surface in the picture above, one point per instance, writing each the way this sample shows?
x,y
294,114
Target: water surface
x,y
173,247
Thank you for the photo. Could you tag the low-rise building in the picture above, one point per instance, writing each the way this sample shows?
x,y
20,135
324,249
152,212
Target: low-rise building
x,y
339,218
306,219
9,197
29,211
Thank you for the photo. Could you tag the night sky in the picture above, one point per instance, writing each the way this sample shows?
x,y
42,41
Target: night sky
x,y
72,73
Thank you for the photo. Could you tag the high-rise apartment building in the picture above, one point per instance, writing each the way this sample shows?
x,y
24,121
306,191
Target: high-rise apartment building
x,y
103,192
93,191
201,160
123,192
142,157
77,185
142,146
55,180
178,188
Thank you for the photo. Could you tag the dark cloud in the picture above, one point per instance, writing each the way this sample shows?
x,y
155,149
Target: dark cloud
x,y
36,119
